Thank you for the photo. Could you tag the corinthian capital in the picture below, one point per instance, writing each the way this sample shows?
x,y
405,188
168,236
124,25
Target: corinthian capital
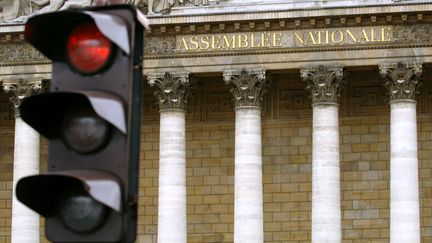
x,y
20,89
401,80
324,83
247,86
172,89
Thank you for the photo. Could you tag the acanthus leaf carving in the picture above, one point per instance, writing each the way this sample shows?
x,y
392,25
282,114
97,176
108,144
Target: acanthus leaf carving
x,y
248,87
323,83
172,89
402,81
21,89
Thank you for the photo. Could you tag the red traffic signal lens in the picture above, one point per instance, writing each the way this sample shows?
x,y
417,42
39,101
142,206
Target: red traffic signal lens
x,y
88,49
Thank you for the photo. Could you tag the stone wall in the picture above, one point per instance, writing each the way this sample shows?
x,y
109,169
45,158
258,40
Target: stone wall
x,y
287,180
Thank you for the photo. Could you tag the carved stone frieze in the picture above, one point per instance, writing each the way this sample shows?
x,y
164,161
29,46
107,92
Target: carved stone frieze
x,y
247,86
172,89
323,83
401,80
21,89
19,52
160,45
164,6
21,10
412,33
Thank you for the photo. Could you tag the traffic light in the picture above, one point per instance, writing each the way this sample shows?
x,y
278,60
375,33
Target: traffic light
x,y
91,118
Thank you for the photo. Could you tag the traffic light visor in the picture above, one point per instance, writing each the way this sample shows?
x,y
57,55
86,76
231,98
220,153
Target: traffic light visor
x,y
44,193
39,28
46,112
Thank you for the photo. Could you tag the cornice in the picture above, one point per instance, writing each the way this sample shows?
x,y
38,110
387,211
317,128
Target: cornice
x,y
317,12
402,17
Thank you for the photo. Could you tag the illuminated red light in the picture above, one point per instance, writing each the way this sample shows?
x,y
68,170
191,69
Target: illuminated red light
x,y
88,49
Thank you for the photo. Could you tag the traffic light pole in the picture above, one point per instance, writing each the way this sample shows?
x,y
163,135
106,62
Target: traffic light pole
x,y
135,134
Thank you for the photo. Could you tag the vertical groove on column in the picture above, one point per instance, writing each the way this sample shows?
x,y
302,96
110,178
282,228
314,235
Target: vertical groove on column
x,y
326,216
172,91
402,84
248,88
404,187
248,212
172,226
25,222
324,84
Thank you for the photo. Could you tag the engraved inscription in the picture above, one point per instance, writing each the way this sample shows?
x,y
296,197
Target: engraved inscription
x,y
285,39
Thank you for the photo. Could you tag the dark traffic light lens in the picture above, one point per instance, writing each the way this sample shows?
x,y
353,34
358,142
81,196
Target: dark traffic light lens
x,y
84,131
81,213
88,49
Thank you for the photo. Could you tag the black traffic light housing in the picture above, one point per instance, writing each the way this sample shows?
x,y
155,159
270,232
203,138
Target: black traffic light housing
x,y
91,118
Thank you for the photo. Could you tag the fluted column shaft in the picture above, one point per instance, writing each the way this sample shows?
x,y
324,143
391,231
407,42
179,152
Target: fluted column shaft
x,y
402,83
172,90
25,222
172,178
248,87
324,84
248,201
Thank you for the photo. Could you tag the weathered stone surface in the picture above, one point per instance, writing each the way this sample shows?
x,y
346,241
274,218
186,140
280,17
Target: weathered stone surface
x,y
323,83
172,178
402,80
248,192
247,86
172,89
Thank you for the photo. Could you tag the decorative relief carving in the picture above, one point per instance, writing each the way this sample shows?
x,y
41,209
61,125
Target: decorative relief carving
x,y
218,105
412,33
323,83
23,9
21,89
428,96
367,100
19,52
172,89
401,80
292,102
163,6
247,86
160,45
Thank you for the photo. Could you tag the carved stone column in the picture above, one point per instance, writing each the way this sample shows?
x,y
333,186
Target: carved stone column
x,y
324,84
248,88
402,82
172,90
25,222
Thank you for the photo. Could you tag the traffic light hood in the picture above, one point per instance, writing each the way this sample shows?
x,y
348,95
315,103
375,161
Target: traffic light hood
x,y
39,29
43,192
44,112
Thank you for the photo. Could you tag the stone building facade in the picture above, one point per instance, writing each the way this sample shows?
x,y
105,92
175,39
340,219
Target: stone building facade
x,y
263,121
